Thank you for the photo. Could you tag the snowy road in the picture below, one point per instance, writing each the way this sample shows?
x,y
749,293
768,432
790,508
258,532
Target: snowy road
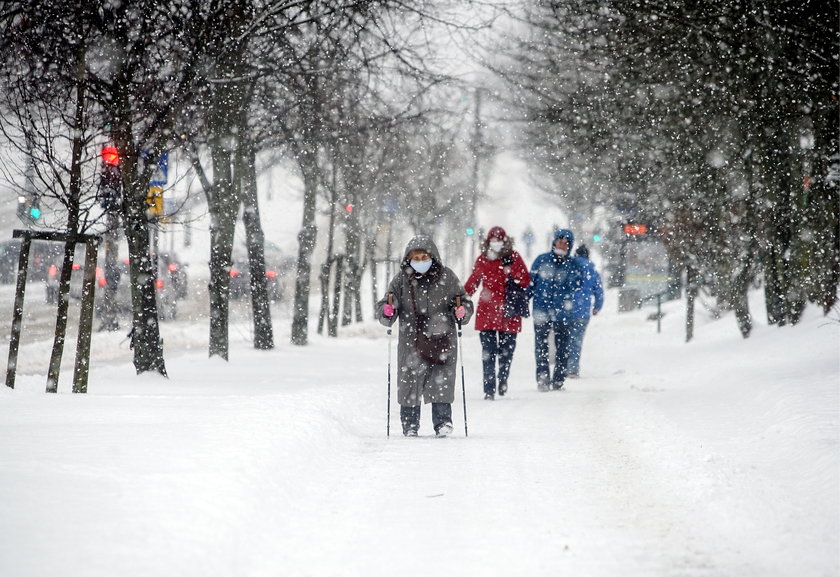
x,y
662,460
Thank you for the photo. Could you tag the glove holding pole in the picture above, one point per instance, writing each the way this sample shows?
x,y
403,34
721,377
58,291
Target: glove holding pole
x,y
388,311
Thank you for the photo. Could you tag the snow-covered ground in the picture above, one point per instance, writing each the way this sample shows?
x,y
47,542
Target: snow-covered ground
x,y
714,458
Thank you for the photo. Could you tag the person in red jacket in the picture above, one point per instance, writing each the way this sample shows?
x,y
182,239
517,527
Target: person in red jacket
x,y
497,332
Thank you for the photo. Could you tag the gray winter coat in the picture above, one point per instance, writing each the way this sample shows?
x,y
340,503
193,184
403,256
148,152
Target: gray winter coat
x,y
434,294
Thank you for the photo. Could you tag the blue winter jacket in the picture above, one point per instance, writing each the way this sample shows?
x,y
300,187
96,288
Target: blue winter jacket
x,y
590,287
555,281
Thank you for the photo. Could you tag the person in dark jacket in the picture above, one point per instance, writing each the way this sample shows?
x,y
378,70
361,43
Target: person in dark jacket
x,y
555,277
590,289
497,329
428,299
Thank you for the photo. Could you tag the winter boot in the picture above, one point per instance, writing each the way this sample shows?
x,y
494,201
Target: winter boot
x,y
410,419
502,389
442,418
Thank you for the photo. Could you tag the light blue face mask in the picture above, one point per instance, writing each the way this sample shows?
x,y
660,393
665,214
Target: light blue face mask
x,y
421,266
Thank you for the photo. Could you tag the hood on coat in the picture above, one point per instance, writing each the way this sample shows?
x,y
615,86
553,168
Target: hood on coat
x,y
506,249
497,232
568,235
422,242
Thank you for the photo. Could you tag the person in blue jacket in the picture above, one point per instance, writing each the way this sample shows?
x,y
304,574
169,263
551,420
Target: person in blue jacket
x,y
556,277
591,288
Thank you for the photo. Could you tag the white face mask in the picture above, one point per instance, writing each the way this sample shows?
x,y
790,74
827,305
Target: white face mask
x,y
496,245
560,251
421,266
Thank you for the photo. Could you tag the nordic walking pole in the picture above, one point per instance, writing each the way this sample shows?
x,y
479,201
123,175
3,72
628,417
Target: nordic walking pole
x,y
461,357
390,339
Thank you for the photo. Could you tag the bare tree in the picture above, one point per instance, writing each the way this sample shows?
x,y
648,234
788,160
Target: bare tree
x,y
697,114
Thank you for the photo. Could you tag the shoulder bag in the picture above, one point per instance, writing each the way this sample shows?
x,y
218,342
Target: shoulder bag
x,y
516,297
433,349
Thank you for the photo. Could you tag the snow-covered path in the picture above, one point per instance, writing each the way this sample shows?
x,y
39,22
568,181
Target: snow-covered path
x,y
664,459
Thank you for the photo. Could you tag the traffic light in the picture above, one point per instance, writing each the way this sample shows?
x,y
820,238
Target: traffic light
x,y
110,155
29,209
110,179
470,231
596,237
35,209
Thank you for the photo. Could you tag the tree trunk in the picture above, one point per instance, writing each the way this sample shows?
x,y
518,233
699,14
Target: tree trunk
x,y
223,211
145,331
306,245
148,349
352,270
370,251
326,268
778,224
740,302
690,294
339,273
750,214
72,228
263,331
61,317
324,279
229,102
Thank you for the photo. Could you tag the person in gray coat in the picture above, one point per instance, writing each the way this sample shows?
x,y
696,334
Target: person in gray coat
x,y
429,300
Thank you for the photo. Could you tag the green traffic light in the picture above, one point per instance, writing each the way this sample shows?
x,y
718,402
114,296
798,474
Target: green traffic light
x,y
596,237
35,212
470,231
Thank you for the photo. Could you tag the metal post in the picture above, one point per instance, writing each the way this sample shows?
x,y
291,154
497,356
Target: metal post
x,y
461,358
390,340
659,312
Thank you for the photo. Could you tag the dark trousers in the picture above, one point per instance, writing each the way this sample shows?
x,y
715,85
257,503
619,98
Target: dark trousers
x,y
410,416
496,344
562,339
578,327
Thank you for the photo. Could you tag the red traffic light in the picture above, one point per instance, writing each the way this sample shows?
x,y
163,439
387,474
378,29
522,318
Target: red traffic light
x,y
110,155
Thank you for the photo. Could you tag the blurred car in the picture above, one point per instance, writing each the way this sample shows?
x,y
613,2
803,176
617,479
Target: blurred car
x,y
171,282
240,281
173,271
42,254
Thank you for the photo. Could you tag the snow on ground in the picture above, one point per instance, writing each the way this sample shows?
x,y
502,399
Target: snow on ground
x,y
714,458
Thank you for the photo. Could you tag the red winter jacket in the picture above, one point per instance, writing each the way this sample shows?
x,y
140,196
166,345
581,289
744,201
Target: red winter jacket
x,y
492,276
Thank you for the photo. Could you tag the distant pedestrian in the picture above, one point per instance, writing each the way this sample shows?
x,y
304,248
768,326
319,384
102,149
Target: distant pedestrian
x,y
590,289
427,298
555,277
497,325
